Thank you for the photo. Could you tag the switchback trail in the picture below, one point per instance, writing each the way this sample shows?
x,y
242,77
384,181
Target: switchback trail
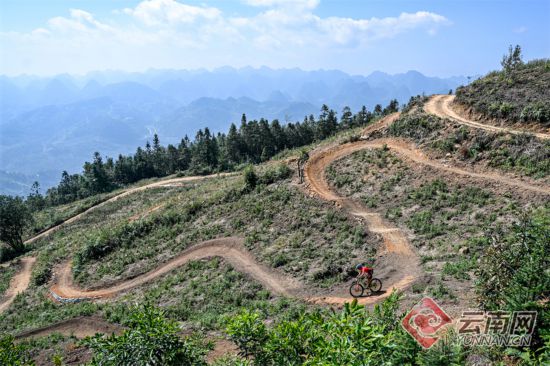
x,y
21,280
403,262
440,105
231,249
399,265
400,270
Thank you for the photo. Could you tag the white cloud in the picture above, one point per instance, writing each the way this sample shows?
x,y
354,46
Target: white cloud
x,y
302,4
79,21
169,33
520,30
286,27
155,12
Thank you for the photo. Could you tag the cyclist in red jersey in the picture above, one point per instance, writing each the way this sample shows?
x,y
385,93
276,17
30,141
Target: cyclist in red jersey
x,y
364,271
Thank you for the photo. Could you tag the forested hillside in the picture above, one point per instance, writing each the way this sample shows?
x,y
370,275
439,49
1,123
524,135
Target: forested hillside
x,y
253,142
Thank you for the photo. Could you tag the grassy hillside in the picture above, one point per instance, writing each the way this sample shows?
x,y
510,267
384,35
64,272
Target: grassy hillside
x,y
518,154
521,94
446,216
288,231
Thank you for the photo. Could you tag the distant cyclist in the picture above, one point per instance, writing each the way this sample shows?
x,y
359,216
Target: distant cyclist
x,y
370,284
364,271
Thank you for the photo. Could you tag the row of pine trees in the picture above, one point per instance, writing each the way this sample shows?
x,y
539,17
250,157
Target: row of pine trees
x,y
252,142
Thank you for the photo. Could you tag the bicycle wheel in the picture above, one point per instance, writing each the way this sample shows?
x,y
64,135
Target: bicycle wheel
x,y
375,285
356,289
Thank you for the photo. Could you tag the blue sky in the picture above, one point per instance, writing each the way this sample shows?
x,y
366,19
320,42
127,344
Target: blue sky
x,y
441,37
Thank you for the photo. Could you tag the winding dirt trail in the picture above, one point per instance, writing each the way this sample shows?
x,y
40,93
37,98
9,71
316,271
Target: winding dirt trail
x,y
380,124
441,106
231,249
174,182
398,254
410,152
398,263
18,283
79,327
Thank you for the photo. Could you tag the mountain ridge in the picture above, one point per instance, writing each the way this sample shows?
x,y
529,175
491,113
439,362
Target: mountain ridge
x,y
69,115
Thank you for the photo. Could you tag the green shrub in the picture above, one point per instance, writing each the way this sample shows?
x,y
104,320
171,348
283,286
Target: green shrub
x,y
249,332
440,291
352,336
41,275
416,126
150,340
423,223
274,174
513,272
250,178
13,354
458,270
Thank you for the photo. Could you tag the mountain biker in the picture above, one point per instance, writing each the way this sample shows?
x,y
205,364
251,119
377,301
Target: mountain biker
x,y
364,271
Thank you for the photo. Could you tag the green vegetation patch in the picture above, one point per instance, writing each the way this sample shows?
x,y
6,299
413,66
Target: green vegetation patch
x,y
6,273
200,293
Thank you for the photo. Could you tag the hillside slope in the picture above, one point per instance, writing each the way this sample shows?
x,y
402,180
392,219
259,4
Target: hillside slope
x,y
412,194
518,95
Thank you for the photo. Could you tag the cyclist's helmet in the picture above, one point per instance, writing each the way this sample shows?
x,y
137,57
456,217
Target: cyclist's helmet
x,y
359,266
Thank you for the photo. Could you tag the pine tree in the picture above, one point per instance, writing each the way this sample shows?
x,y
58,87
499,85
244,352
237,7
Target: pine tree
x,y
96,175
233,147
35,201
512,60
346,121
278,135
156,142
172,156
267,140
184,154
211,147
392,107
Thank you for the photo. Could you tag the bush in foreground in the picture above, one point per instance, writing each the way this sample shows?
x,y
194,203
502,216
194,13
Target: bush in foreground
x,y
353,336
151,339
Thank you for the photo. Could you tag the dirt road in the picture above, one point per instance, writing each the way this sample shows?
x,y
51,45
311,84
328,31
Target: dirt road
x,y
79,327
441,106
18,283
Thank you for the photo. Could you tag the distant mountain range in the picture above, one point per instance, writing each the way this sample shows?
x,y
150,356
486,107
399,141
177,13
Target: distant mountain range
x,y
52,124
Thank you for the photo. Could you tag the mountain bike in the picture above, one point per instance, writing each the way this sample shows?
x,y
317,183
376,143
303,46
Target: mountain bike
x,y
360,285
